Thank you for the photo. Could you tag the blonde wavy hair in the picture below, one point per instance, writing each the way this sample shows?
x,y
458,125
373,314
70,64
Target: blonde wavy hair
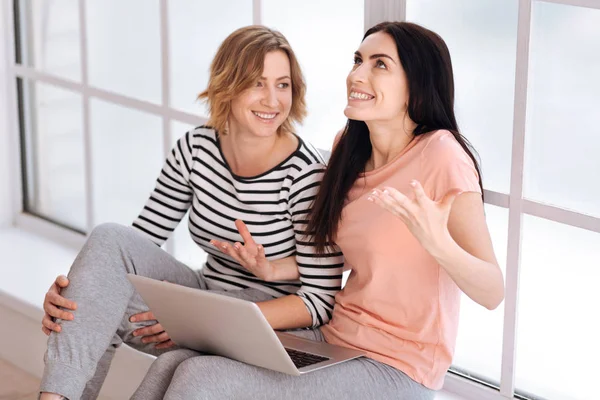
x,y
237,66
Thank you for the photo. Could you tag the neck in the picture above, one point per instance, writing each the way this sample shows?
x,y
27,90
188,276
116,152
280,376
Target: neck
x,y
388,139
247,154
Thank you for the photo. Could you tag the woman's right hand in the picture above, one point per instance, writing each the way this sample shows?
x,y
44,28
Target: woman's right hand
x,y
52,302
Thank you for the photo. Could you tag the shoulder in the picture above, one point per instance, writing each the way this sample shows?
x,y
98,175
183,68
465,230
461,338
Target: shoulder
x,y
307,155
441,147
203,134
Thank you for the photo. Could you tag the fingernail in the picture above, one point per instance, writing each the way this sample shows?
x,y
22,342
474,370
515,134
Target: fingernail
x,y
374,192
413,183
132,319
237,246
385,191
370,198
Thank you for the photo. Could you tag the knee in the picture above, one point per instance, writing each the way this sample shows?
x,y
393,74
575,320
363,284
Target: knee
x,y
210,377
172,360
109,234
107,231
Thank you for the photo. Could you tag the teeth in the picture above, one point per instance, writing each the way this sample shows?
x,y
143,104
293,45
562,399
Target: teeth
x,y
361,96
265,116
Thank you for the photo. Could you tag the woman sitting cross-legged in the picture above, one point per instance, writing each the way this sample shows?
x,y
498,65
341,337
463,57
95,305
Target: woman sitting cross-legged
x,y
247,166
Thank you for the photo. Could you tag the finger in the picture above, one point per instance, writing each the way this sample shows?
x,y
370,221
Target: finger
x,y
143,316
46,331
449,197
50,325
62,281
243,253
149,330
395,197
390,206
218,244
244,232
420,196
261,253
60,301
159,338
58,313
391,200
165,345
232,252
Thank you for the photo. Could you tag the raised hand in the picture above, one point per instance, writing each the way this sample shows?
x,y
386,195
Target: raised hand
x,y
426,219
250,255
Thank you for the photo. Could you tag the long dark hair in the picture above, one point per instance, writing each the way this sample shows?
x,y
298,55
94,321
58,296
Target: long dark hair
x,y
426,62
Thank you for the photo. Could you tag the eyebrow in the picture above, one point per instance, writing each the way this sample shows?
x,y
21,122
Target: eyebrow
x,y
374,56
262,78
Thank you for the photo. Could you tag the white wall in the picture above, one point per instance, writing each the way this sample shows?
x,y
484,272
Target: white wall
x,y
8,151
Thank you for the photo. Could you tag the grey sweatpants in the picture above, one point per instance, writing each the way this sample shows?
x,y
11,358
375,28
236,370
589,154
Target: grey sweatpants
x,y
78,358
186,374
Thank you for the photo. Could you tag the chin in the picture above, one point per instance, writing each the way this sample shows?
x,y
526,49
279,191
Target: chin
x,y
354,114
265,132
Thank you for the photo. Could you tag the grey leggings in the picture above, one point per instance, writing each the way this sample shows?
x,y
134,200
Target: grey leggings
x,y
78,358
186,374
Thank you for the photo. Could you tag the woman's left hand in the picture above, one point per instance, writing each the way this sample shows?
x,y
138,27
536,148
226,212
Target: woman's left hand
x,y
250,255
426,219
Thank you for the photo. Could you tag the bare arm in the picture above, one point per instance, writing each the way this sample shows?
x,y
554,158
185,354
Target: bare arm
x,y
467,254
455,233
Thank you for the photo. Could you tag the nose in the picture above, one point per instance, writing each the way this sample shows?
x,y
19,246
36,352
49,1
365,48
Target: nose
x,y
358,75
270,99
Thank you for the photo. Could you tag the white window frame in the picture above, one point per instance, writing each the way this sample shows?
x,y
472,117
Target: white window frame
x,y
374,11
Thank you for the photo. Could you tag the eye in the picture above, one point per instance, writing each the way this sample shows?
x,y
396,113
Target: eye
x,y
357,61
259,84
283,85
380,64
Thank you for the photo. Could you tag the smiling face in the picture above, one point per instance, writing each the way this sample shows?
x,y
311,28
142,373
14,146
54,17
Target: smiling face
x,y
261,109
377,87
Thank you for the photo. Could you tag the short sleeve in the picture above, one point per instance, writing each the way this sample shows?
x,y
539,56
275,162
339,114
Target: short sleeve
x,y
445,165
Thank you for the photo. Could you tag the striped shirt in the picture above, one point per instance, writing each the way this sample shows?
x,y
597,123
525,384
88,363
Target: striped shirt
x,y
274,205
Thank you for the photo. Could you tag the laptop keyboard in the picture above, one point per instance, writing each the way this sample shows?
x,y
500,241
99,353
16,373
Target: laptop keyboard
x,y
302,359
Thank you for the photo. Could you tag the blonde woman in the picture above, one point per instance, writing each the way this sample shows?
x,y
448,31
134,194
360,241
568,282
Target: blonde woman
x,y
247,181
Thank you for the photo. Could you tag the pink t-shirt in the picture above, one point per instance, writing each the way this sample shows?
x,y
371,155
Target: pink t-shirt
x,y
399,305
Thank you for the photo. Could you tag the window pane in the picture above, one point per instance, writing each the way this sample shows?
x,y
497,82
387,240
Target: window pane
x,y
324,36
50,36
56,154
563,105
127,156
557,342
186,250
197,28
124,47
479,342
482,38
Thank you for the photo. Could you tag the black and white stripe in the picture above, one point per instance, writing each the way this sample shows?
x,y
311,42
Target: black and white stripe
x,y
274,206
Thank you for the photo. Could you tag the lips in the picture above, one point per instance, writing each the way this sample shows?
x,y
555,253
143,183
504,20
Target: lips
x,y
263,115
359,95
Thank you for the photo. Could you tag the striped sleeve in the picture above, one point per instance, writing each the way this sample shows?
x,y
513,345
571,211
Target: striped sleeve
x,y
172,195
321,276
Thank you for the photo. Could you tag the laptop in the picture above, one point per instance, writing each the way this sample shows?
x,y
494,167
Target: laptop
x,y
233,328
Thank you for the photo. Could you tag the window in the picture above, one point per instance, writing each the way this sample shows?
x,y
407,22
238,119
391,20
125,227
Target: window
x,y
106,87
